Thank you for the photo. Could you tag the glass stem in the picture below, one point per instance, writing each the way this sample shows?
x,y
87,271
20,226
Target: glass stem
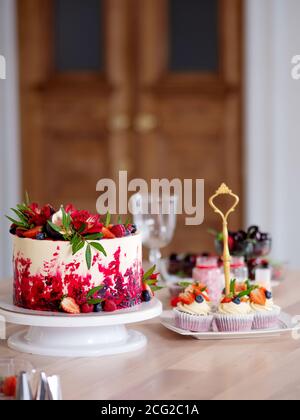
x,y
154,257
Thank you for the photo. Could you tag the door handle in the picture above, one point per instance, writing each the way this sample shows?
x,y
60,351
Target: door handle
x,y
119,123
145,123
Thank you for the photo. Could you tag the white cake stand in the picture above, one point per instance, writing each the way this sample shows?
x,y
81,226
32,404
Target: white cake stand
x,y
85,335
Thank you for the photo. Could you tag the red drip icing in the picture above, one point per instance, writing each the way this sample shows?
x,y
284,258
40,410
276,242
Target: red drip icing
x,y
45,289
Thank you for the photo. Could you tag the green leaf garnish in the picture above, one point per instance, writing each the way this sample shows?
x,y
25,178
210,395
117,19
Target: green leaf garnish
x,y
54,227
107,219
66,220
93,236
244,293
149,273
27,199
88,256
150,282
99,247
77,246
156,288
82,228
184,284
95,290
127,221
94,301
232,286
16,222
119,220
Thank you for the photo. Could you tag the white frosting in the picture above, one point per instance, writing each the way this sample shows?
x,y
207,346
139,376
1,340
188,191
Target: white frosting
x,y
49,256
231,308
195,308
268,307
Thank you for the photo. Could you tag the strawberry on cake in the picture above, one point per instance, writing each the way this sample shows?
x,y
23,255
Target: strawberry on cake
x,y
73,261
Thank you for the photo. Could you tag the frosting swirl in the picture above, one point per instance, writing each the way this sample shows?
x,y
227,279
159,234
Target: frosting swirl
x,y
232,309
195,308
268,307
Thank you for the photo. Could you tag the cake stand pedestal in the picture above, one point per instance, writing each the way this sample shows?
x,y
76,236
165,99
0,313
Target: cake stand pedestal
x,y
85,335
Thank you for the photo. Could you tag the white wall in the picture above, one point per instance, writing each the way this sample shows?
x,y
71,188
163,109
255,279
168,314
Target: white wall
x,y
9,132
273,123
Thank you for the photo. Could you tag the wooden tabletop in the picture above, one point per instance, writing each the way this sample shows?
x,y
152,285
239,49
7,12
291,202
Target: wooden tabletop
x,y
177,367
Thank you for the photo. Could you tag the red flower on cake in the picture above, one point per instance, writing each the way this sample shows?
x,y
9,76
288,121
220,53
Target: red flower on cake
x,y
91,222
38,216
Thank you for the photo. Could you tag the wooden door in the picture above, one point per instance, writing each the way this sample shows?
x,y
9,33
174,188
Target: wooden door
x,y
76,96
153,87
188,107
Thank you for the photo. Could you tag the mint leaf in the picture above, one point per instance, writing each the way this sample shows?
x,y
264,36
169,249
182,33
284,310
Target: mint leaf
x,y
107,219
119,221
88,256
95,290
99,247
149,273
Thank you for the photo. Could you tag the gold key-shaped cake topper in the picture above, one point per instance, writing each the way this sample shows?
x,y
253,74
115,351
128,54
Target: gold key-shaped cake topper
x,y
223,189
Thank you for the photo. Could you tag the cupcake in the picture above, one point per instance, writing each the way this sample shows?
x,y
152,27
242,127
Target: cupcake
x,y
234,312
193,311
266,313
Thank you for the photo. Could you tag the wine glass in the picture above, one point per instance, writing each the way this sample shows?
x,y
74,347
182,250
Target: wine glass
x,y
155,217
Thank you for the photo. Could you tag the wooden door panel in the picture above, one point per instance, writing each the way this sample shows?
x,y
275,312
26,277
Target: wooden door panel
x,y
71,131
197,114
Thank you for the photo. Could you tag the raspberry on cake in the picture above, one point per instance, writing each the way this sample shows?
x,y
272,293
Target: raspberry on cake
x,y
71,260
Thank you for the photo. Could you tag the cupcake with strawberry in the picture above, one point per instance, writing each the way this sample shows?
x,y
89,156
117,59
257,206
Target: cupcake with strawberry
x,y
234,313
266,313
194,309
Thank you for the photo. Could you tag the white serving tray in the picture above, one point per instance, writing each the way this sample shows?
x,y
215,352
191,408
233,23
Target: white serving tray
x,y
285,326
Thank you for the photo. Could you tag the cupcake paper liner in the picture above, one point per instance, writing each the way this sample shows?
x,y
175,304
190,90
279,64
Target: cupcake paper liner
x,y
195,323
233,323
266,320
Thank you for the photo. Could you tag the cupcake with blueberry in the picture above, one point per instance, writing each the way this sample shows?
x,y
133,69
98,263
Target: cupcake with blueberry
x,y
194,310
266,313
234,312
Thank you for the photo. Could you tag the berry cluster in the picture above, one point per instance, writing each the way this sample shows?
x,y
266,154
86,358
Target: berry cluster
x,y
250,243
46,222
244,292
150,284
70,306
195,292
182,265
94,301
